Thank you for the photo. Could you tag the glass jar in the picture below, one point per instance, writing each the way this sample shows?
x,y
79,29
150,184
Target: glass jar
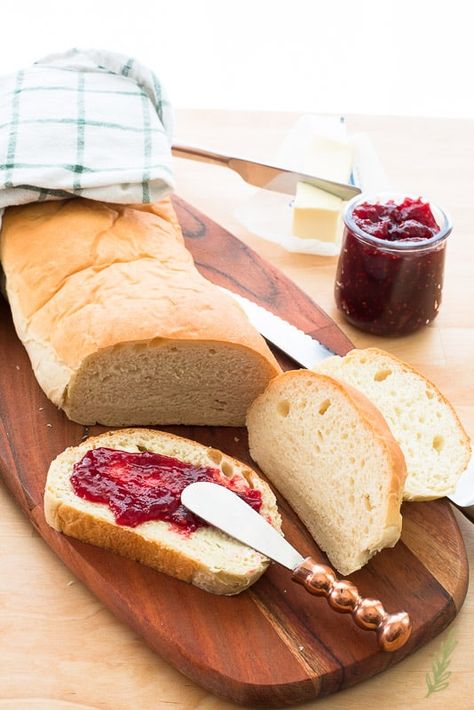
x,y
390,287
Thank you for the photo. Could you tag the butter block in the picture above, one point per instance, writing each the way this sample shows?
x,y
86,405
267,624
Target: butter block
x,y
329,158
316,214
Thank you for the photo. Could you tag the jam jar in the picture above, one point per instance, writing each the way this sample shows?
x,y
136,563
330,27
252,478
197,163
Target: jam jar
x,y
390,271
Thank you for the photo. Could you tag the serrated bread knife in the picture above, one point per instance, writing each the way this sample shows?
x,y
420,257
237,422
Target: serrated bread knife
x,y
222,508
307,351
302,348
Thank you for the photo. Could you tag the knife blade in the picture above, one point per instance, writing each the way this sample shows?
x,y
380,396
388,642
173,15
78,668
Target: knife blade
x,y
463,496
269,177
302,348
223,509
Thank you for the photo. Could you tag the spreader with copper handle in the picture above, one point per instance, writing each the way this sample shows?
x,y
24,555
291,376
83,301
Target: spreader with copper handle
x,y
223,508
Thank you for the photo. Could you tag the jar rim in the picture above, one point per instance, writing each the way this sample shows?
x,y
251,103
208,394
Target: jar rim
x,y
397,245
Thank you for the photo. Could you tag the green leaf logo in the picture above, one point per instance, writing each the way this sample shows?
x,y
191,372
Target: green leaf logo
x,y
438,678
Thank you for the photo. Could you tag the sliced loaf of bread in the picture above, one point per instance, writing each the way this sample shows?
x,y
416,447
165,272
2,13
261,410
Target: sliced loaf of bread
x,y
332,456
206,557
433,441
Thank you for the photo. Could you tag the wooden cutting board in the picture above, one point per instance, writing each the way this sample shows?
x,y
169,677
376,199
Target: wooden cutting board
x,y
274,644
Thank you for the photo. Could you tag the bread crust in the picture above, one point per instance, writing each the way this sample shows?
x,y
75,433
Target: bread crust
x,y
129,542
83,277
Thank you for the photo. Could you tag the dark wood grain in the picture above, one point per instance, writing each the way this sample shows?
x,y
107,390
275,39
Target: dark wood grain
x,y
274,644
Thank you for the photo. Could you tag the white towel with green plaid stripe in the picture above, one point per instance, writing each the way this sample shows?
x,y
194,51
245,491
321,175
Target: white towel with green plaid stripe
x,y
84,123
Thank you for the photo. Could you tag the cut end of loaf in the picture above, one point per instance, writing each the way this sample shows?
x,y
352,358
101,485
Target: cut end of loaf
x,y
160,382
332,456
425,425
206,558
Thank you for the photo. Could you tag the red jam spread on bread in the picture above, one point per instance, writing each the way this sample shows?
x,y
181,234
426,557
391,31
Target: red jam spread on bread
x,y
144,486
381,287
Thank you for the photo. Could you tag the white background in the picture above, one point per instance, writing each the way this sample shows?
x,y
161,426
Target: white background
x,y
397,57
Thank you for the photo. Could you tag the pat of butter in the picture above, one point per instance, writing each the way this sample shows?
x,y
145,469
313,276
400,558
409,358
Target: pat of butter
x,y
316,214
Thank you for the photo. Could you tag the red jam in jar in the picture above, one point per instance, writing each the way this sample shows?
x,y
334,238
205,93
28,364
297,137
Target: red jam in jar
x,y
390,271
144,486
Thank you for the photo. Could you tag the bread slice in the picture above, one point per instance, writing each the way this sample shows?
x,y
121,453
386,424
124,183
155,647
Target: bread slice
x,y
207,558
120,326
331,455
433,441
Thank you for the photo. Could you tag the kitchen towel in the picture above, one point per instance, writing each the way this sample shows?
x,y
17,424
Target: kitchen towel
x,y
85,123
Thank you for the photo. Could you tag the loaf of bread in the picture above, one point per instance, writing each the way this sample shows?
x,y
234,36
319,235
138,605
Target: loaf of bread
x,y
433,441
207,558
120,327
330,453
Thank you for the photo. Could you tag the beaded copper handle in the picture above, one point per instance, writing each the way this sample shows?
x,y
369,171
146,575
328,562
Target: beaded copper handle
x,y
393,630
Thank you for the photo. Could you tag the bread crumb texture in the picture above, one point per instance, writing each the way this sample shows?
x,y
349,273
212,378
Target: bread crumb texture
x,y
433,441
332,456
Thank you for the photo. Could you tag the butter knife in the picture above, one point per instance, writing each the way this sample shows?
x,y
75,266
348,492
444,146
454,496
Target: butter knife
x,y
223,509
269,177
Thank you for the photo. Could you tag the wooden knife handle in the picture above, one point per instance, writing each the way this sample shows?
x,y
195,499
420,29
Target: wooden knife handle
x,y
393,630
